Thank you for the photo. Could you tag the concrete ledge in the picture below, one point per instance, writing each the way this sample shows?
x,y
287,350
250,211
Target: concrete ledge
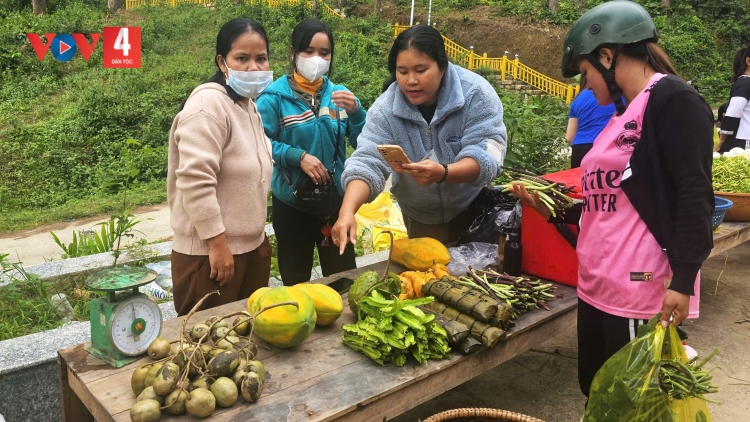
x,y
70,267
31,395
31,350
28,367
74,266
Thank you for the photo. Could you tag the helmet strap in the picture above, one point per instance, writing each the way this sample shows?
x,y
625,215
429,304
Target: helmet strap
x,y
609,78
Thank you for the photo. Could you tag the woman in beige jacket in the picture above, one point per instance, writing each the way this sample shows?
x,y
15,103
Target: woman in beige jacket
x,y
220,170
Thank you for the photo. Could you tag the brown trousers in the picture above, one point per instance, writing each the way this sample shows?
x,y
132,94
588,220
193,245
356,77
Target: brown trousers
x,y
191,278
447,233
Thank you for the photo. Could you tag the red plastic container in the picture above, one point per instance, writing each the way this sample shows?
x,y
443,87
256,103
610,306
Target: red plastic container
x,y
545,253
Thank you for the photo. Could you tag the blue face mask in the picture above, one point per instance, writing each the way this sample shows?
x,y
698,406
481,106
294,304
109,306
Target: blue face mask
x,y
249,84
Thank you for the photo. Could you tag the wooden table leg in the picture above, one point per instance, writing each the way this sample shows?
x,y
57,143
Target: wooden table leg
x,y
71,406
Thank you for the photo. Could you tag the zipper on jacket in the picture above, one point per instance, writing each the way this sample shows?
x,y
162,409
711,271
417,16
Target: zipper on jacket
x,y
439,187
433,143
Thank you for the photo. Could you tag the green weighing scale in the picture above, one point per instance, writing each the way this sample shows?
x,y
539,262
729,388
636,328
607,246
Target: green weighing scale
x,y
123,325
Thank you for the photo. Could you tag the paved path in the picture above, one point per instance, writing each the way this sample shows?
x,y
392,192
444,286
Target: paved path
x,y
37,246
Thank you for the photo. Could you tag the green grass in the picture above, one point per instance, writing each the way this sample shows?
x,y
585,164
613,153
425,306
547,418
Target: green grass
x,y
24,311
25,303
149,193
64,126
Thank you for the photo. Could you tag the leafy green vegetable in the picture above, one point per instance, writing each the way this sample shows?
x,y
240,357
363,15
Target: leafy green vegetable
x,y
731,174
390,329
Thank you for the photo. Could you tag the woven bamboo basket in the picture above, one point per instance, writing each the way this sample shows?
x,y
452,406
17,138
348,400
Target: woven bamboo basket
x,y
473,414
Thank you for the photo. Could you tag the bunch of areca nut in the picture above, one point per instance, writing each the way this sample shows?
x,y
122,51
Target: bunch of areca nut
x,y
210,366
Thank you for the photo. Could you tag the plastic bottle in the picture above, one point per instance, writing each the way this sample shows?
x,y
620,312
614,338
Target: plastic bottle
x,y
152,289
512,255
501,241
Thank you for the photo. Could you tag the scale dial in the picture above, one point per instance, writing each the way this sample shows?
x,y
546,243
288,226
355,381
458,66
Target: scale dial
x,y
135,323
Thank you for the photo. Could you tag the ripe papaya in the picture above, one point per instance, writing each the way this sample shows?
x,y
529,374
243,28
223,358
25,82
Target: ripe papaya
x,y
284,326
420,254
328,302
256,294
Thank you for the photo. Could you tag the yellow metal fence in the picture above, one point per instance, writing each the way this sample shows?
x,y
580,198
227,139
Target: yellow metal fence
x,y
506,67
276,4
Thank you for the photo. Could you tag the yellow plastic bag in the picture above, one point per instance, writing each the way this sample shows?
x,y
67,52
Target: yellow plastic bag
x,y
626,388
716,138
377,217
690,410
381,243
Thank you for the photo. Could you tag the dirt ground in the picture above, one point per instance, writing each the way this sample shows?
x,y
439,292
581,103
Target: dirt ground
x,y
36,246
539,47
543,382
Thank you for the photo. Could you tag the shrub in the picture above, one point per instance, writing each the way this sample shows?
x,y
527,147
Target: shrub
x,y
536,129
694,53
63,126
701,36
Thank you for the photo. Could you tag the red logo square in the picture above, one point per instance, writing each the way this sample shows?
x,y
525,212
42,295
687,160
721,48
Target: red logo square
x,y
122,46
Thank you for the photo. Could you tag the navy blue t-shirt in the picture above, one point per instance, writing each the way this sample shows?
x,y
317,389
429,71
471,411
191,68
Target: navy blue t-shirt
x,y
591,117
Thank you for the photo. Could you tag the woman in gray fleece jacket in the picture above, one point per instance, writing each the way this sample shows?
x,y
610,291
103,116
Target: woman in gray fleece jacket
x,y
449,122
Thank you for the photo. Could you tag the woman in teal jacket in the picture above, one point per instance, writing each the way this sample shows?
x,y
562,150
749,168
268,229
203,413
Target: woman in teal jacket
x,y
307,118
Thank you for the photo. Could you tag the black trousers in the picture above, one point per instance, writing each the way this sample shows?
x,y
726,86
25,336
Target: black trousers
x,y
732,142
600,335
447,233
297,235
578,152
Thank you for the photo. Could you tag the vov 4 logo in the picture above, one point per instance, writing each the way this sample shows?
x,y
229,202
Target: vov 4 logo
x,y
122,46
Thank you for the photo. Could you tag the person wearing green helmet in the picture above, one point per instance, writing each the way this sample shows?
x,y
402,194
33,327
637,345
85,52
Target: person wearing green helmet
x,y
645,218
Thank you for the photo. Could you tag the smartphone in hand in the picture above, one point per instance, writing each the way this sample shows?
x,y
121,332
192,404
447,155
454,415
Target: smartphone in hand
x,y
394,155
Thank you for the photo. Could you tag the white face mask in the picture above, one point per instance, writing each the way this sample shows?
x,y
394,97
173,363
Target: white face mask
x,y
249,84
312,68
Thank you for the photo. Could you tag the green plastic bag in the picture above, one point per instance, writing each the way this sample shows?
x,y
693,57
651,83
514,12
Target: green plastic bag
x,y
626,388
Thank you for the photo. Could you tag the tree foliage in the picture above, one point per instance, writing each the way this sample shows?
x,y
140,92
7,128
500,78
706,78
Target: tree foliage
x,y
701,36
63,126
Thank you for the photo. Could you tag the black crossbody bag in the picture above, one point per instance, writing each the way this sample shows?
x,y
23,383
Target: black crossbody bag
x,y
322,199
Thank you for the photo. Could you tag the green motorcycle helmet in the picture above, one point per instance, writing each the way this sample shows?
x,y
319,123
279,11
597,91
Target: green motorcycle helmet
x,y
614,22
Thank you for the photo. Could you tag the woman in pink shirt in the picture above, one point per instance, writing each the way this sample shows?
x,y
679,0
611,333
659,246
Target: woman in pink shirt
x,y
645,219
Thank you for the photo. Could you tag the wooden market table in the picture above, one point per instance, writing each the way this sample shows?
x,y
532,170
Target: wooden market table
x,y
319,380
730,235
322,379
